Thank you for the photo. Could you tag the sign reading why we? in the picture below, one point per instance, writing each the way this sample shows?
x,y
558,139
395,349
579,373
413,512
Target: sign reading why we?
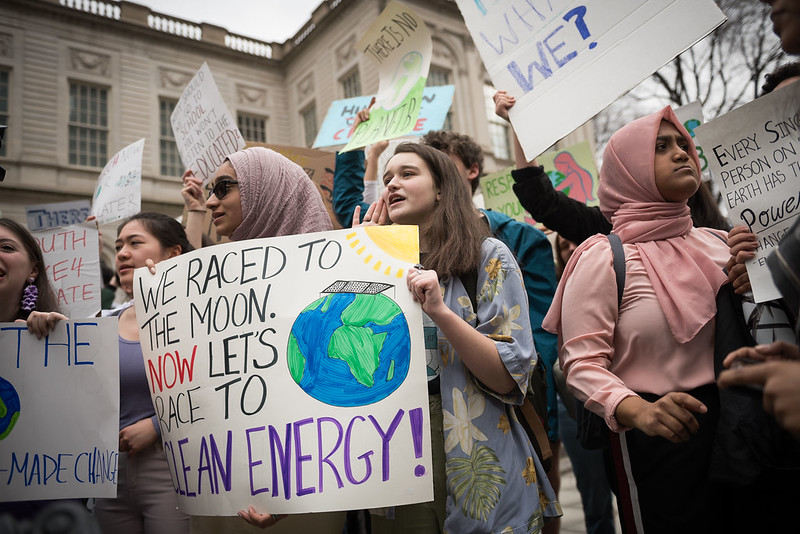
x,y
289,373
205,131
565,61
59,427
754,155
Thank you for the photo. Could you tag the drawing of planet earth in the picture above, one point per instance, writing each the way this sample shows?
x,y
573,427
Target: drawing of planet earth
x,y
9,407
350,348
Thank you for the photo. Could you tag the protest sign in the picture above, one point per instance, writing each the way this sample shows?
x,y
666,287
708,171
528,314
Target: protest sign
x,y
54,214
753,155
72,262
566,61
205,131
691,116
119,188
337,128
289,373
571,171
59,429
399,43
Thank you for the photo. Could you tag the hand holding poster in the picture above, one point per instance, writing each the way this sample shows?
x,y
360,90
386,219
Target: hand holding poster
x,y
204,129
59,431
119,188
337,128
400,44
289,373
72,262
566,61
753,155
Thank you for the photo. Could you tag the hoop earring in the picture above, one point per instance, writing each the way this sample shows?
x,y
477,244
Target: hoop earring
x,y
30,295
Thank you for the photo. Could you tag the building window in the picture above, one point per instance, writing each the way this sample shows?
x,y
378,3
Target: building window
x,y
499,130
253,127
169,156
437,77
310,124
351,85
88,125
3,106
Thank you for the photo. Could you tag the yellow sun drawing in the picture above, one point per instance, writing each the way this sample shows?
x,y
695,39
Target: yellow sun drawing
x,y
398,241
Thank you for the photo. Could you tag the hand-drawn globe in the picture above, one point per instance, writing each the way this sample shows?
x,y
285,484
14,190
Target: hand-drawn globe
x,y
350,347
9,407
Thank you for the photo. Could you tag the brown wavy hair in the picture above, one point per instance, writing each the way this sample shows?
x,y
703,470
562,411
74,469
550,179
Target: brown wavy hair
x,y
455,233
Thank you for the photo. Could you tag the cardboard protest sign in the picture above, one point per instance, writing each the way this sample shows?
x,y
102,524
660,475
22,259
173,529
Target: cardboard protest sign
x,y
72,262
337,128
566,61
59,429
54,214
400,45
691,116
571,171
753,155
119,188
289,373
205,131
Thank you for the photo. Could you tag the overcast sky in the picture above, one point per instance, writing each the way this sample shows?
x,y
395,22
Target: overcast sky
x,y
266,20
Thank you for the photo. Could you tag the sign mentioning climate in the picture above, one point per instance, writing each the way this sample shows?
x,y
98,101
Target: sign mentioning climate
x,y
754,155
59,429
289,373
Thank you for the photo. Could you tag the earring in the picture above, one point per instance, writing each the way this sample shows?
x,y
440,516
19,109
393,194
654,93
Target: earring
x,y
30,295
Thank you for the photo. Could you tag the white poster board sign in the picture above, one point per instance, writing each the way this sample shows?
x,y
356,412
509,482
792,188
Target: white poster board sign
x,y
59,432
72,261
565,61
54,214
753,155
205,131
289,373
118,193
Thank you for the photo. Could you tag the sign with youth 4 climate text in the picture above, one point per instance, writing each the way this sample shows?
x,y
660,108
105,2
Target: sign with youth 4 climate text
x,y
565,61
118,193
59,422
399,43
205,131
289,373
754,155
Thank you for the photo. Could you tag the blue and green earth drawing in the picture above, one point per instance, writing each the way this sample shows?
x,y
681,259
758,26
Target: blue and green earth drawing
x,y
9,407
350,349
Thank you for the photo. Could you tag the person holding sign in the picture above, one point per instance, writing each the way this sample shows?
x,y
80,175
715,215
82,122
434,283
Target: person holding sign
x,y
645,362
259,193
494,479
145,500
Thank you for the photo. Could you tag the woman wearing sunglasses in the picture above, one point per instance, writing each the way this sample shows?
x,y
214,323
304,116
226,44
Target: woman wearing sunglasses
x,y
259,193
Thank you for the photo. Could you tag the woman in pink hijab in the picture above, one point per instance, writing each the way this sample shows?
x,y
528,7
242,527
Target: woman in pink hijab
x,y
645,365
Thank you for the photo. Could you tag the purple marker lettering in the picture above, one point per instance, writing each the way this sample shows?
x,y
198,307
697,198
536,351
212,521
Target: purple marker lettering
x,y
251,463
325,459
282,454
217,461
415,417
348,469
300,458
386,437
204,466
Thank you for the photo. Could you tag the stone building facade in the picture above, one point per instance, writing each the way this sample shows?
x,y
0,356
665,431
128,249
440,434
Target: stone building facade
x,y
81,79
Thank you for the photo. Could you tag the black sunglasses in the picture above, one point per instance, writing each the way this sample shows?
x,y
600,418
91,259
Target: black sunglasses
x,y
221,188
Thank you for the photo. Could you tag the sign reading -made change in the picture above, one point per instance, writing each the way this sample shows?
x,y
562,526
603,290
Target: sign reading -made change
x,y
565,61
289,373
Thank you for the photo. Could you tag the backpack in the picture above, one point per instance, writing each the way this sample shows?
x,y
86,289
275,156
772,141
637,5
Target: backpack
x,y
532,414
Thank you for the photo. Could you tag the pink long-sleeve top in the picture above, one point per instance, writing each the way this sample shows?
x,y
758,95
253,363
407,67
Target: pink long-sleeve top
x,y
606,359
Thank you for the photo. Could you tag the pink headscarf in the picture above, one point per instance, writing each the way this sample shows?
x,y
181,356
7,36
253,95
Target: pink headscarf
x,y
278,198
684,278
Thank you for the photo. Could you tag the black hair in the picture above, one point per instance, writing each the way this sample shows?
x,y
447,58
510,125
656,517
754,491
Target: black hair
x,y
167,231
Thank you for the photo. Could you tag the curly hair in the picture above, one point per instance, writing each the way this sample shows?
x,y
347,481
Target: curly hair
x,y
782,73
462,146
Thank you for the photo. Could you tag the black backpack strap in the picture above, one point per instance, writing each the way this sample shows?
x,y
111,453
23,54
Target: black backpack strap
x,y
619,264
